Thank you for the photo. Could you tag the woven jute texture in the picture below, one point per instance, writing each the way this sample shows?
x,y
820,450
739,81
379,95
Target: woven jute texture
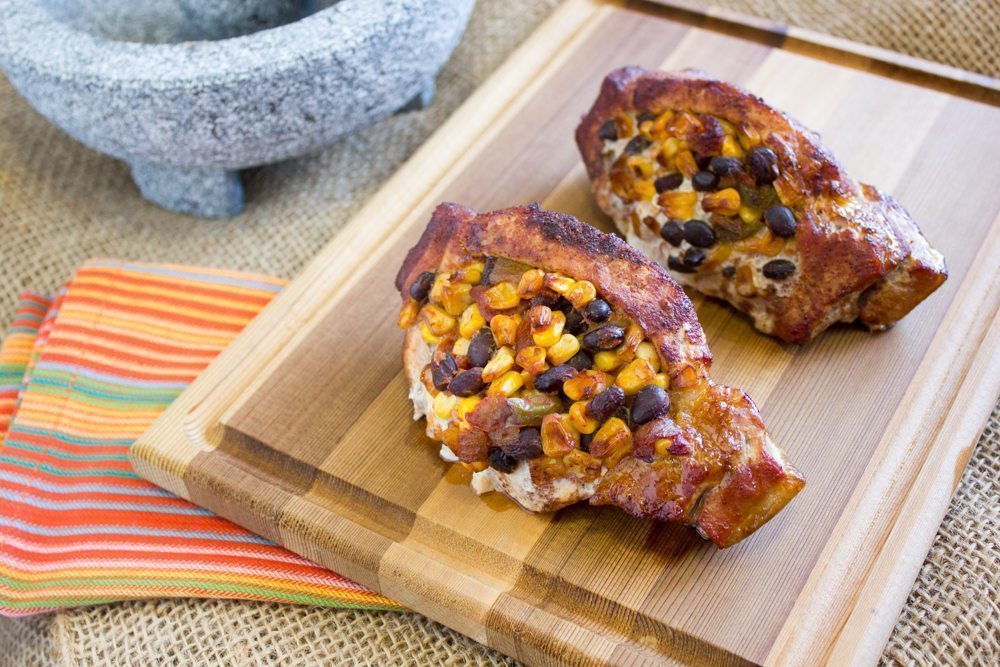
x,y
61,203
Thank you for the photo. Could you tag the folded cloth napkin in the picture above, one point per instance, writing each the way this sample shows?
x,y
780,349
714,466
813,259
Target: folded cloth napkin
x,y
81,377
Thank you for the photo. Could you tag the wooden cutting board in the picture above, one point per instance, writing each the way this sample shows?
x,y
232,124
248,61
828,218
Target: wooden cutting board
x,y
302,431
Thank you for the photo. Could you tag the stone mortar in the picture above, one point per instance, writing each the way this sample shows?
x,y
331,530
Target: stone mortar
x,y
122,77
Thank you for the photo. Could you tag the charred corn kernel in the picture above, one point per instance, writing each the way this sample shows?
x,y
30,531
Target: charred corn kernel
x,y
647,351
476,466
582,293
731,148
559,283
408,314
763,242
749,215
613,436
563,349
748,137
646,129
439,321
580,460
441,281
634,335
456,298
658,132
671,146
501,362
531,283
504,328
644,190
507,384
723,202
502,296
678,205
662,447
662,381
608,361
584,386
720,254
640,166
578,417
559,436
636,375
549,335
686,163
428,335
465,406
532,359
461,346
471,273
727,127
471,321
444,403
684,378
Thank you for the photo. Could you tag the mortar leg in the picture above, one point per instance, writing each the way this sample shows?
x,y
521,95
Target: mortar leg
x,y
205,193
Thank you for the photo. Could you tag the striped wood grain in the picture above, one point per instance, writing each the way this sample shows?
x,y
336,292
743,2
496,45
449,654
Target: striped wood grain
x,y
302,431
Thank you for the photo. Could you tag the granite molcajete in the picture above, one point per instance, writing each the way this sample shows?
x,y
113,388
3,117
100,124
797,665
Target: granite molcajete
x,y
188,92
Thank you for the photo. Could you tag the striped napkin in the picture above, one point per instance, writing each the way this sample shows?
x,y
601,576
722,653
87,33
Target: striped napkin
x,y
82,376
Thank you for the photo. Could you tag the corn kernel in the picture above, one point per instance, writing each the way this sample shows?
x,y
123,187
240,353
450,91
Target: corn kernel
x,y
584,386
748,137
471,273
639,166
507,384
580,461
450,437
636,375
502,296
678,205
662,381
659,130
727,127
559,436
504,328
532,359
671,146
723,202
684,378
730,148
662,447
471,321
531,283
456,298
439,321
437,288
559,283
634,335
582,293
475,466
686,163
647,351
625,125
501,362
465,406
461,346
644,190
408,314
579,418
428,335
444,403
608,361
749,215
564,349
548,336
614,436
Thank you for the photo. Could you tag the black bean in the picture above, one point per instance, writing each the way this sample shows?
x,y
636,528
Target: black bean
x,y
585,440
704,181
724,166
781,221
644,116
544,299
668,182
702,160
606,403
575,324
500,461
676,263
694,257
421,287
650,403
581,361
729,271
604,338
637,145
608,131
672,233
699,234
443,369
778,269
597,310
528,445
763,165
552,380
488,265
467,382
563,304
481,347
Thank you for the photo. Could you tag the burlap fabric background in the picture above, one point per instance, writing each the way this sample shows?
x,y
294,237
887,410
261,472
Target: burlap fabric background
x,y
61,203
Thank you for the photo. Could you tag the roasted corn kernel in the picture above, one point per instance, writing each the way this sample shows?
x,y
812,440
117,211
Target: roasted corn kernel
x,y
678,205
549,335
563,349
441,281
471,321
749,215
608,361
662,381
686,163
531,283
671,146
578,417
501,362
723,202
439,321
559,436
613,436
502,296
456,298
408,314
507,384
731,148
471,273
444,403
582,293
647,351
465,406
634,335
428,335
504,328
585,385
532,359
559,283
684,377
636,375
580,461
662,447
461,346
